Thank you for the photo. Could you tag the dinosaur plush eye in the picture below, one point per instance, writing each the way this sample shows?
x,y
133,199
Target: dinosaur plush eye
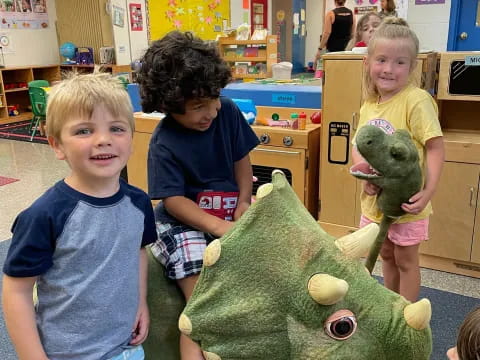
x,y
399,151
341,325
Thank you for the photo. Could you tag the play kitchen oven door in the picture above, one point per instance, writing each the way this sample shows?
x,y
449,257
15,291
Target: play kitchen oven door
x,y
295,152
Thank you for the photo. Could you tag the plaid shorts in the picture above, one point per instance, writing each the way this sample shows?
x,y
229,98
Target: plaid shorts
x,y
180,249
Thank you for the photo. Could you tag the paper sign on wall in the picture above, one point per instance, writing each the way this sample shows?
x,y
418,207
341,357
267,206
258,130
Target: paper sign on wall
x,y
24,14
136,17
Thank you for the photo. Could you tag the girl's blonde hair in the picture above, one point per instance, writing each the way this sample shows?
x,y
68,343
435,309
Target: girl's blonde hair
x,y
359,29
468,342
78,95
392,28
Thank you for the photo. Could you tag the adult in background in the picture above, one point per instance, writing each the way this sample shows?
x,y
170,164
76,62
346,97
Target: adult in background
x,y
338,28
388,8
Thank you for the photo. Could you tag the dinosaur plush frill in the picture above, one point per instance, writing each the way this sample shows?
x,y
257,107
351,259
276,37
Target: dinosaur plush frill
x,y
277,286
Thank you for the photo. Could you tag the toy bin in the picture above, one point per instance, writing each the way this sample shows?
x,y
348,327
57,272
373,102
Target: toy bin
x,y
282,70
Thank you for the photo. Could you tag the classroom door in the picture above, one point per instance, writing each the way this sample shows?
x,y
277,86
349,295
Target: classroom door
x,y
258,14
464,33
298,36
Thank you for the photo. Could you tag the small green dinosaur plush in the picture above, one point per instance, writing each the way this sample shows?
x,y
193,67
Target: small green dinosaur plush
x,y
277,286
392,164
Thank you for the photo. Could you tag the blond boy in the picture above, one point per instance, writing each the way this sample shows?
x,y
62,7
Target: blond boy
x,y
82,241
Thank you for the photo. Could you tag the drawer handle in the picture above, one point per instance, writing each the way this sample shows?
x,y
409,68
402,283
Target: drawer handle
x,y
354,121
471,196
279,151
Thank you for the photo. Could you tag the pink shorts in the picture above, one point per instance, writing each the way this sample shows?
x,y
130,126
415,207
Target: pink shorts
x,y
406,234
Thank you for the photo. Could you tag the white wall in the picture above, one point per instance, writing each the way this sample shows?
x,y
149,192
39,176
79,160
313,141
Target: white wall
x,y
237,14
34,47
129,45
314,13
121,37
431,24
139,39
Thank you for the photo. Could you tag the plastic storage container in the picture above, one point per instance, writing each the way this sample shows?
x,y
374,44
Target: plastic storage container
x,y
282,70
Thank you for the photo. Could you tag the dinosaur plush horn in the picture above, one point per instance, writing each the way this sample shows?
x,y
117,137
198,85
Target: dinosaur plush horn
x,y
358,243
417,315
326,289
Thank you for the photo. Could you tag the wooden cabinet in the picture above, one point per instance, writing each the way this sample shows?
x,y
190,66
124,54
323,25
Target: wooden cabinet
x,y
250,59
454,243
14,90
295,152
342,99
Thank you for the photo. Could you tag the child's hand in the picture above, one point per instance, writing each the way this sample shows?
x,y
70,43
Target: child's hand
x,y
417,202
370,189
142,323
223,227
241,208
452,354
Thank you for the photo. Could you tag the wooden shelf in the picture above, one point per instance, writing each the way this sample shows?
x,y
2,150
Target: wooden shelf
x,y
16,89
231,41
245,59
269,50
19,96
249,76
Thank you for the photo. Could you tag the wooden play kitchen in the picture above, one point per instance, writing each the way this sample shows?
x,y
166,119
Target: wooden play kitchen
x,y
454,244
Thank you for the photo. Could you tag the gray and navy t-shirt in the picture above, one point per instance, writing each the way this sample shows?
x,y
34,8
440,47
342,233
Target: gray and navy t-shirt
x,y
85,252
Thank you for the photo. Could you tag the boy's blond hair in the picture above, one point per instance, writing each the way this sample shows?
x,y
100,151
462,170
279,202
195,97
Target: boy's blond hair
x,y
392,28
78,95
468,341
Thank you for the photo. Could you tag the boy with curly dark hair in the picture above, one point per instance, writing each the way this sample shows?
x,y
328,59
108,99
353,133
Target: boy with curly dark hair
x,y
198,159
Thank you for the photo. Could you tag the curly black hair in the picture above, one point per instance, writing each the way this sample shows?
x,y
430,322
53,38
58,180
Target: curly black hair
x,y
180,67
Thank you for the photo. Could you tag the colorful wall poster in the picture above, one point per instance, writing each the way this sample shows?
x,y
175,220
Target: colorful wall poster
x,y
204,18
136,17
23,14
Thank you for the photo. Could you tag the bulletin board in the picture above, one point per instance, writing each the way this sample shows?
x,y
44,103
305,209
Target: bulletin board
x,y
204,18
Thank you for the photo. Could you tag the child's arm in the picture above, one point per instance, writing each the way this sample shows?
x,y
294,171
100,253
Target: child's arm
x,y
368,187
19,313
142,321
243,177
435,156
188,212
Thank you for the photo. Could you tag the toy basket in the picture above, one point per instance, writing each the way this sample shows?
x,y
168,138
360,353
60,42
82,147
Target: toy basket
x,y
282,70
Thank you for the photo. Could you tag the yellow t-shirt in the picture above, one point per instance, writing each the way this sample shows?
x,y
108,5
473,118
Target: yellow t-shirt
x,y
414,110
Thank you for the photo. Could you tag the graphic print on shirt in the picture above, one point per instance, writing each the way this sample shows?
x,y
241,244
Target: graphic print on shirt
x,y
218,203
383,124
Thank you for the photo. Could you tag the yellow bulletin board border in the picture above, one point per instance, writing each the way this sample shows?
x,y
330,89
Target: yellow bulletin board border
x,y
205,18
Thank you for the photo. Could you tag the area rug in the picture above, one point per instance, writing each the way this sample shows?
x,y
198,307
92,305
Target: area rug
x,y
6,180
448,312
19,131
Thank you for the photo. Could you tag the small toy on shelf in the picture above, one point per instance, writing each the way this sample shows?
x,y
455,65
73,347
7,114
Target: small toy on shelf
x,y
13,110
316,117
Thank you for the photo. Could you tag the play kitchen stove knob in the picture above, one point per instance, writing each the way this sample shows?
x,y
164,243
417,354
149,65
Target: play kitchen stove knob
x,y
264,138
287,141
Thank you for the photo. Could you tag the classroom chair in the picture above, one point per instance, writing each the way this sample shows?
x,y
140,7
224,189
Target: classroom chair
x,y
38,99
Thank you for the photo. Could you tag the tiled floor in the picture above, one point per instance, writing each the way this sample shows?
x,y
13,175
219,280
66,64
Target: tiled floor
x,y
37,168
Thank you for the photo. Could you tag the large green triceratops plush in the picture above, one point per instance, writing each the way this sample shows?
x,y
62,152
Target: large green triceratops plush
x,y
277,286
391,163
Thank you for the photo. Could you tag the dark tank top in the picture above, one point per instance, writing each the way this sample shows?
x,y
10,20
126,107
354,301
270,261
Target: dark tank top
x,y
341,29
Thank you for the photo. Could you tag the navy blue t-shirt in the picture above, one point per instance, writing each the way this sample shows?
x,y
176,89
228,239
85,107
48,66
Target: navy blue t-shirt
x,y
184,162
85,252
